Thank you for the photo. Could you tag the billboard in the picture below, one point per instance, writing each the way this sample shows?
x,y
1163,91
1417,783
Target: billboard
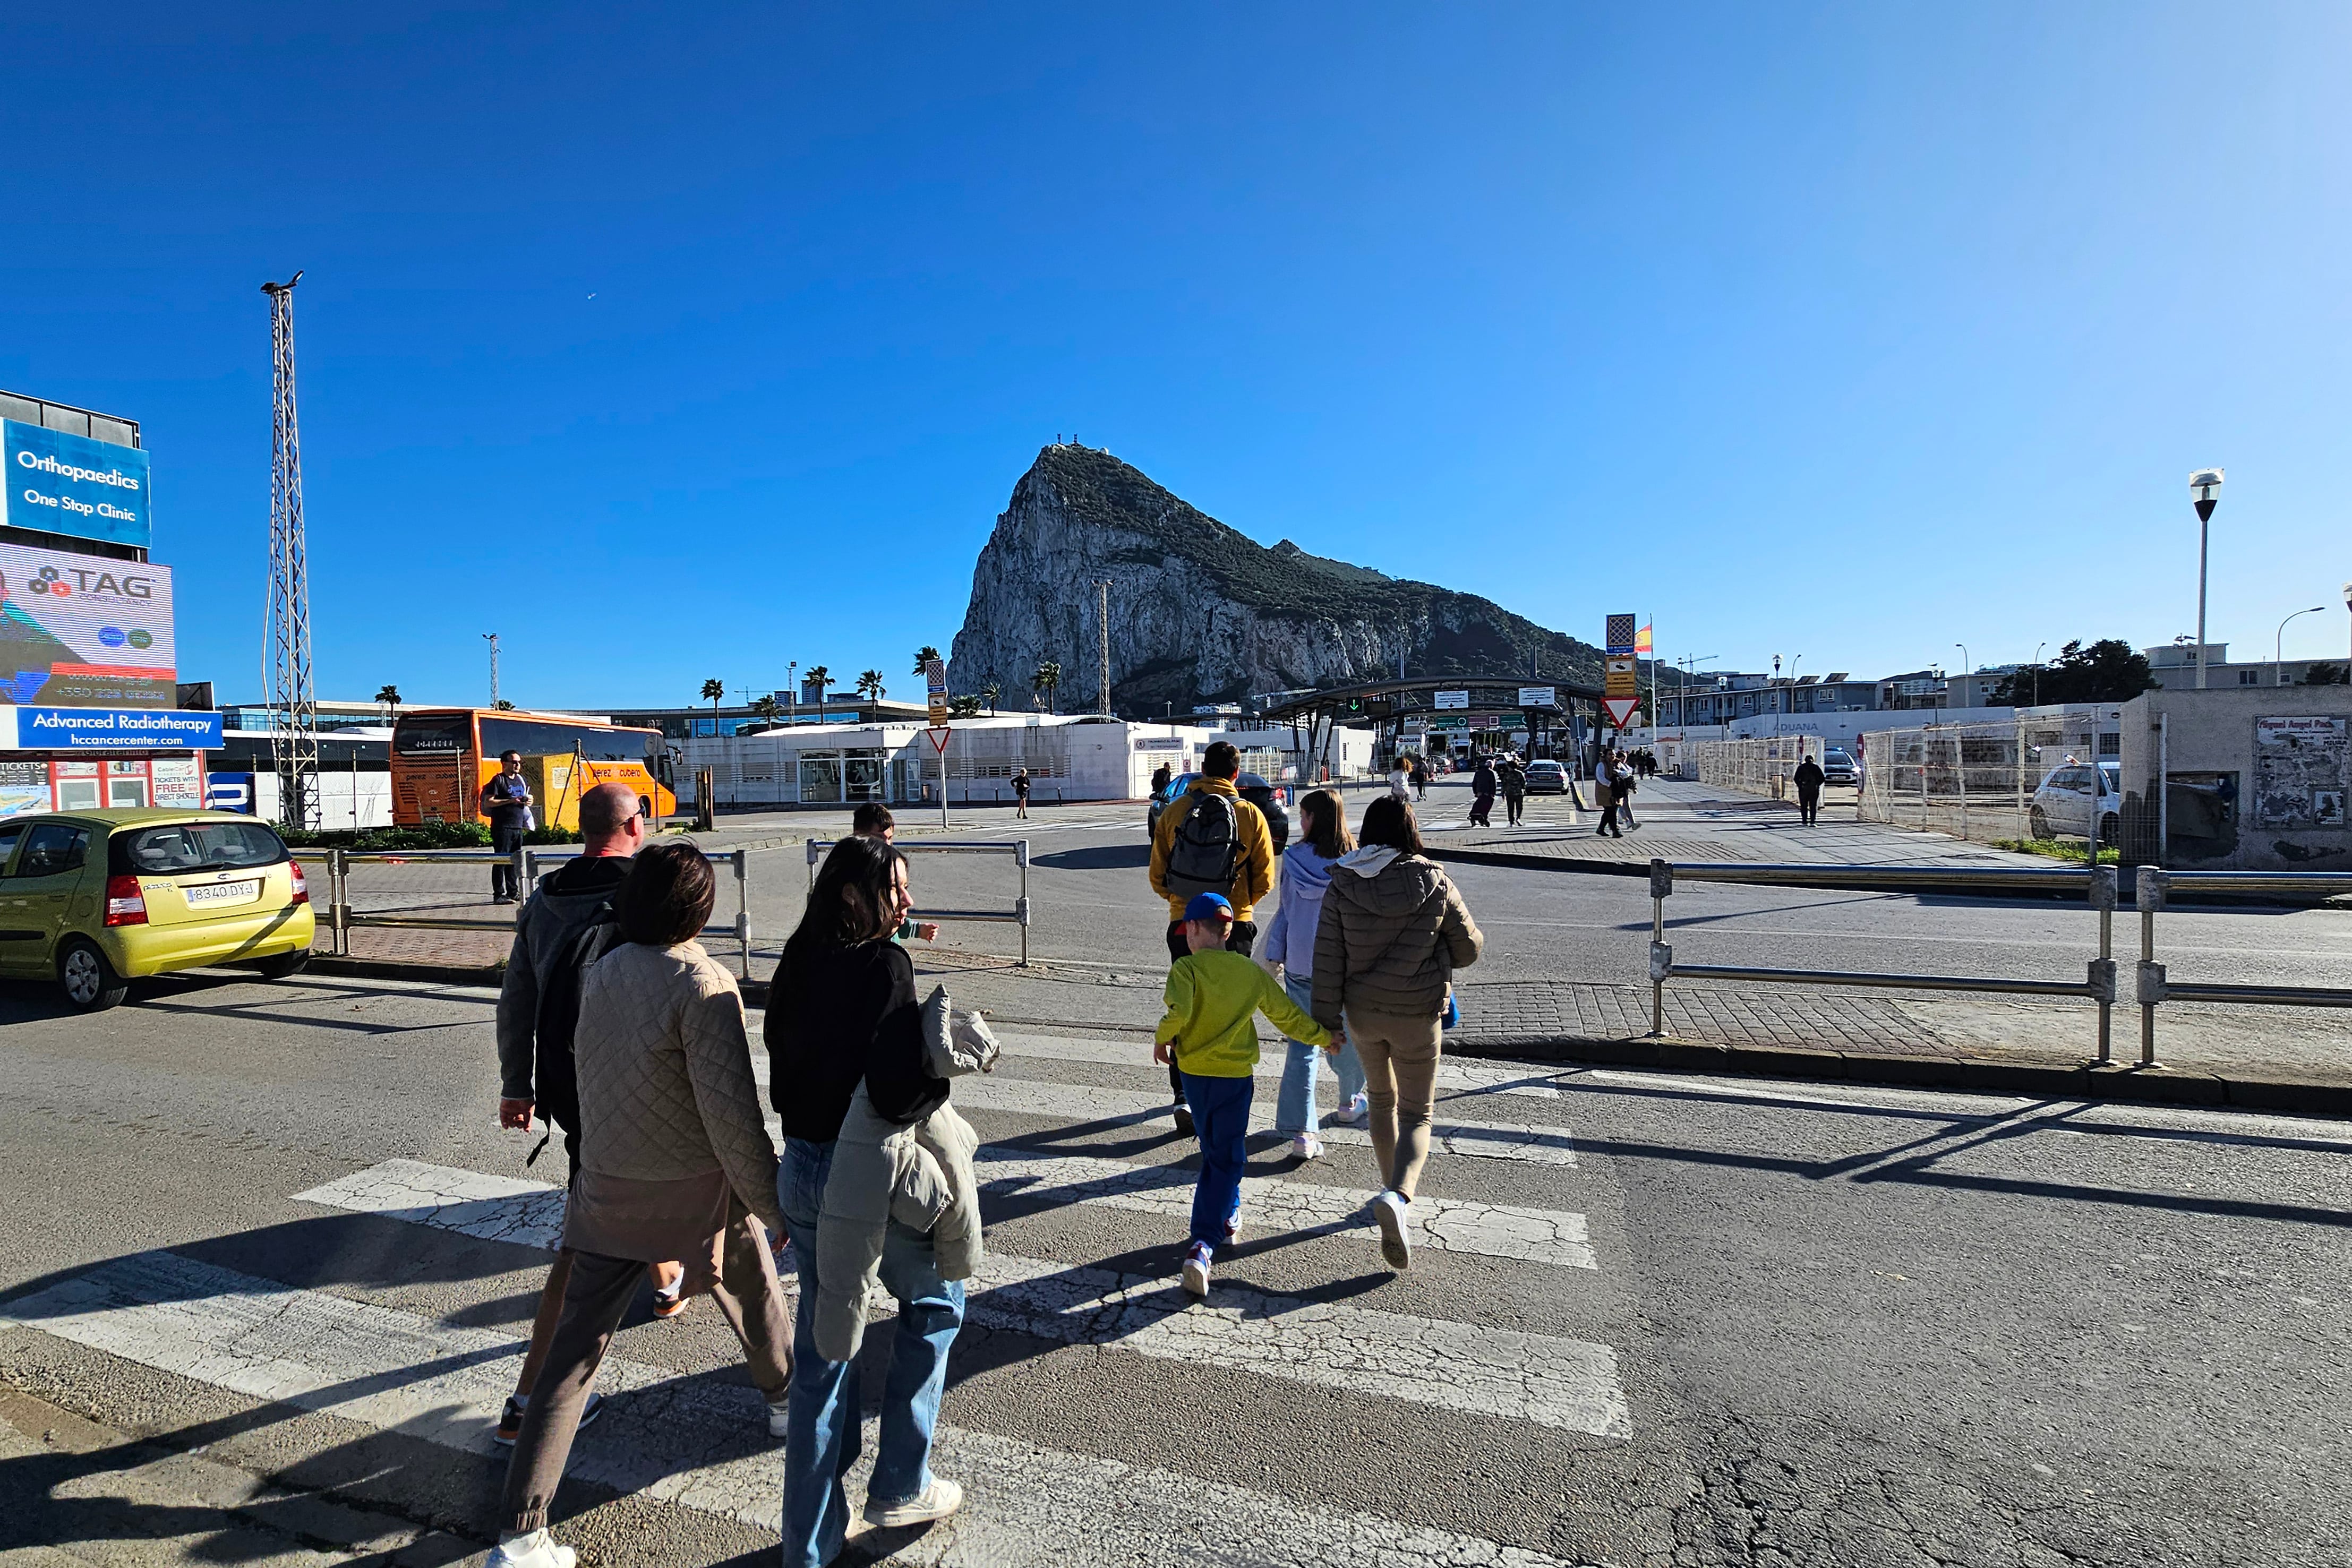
x,y
107,730
62,483
83,630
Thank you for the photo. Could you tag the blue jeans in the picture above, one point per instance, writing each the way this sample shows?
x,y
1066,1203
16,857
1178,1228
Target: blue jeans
x,y
1221,1108
823,1408
1294,1112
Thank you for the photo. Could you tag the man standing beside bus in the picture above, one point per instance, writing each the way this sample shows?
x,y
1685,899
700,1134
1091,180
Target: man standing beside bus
x,y
506,801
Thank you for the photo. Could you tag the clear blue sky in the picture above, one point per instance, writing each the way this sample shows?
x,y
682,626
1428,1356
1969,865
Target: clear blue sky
x,y
1851,333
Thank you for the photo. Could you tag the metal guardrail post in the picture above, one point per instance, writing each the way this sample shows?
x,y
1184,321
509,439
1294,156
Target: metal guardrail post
x,y
1020,901
2103,967
339,913
2149,894
742,858
1662,887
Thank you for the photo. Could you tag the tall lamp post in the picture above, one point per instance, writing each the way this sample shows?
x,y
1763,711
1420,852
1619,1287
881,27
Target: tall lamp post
x,y
2347,605
2278,662
2037,670
1965,666
2205,490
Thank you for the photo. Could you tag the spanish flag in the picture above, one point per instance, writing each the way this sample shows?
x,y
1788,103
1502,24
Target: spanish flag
x,y
1642,643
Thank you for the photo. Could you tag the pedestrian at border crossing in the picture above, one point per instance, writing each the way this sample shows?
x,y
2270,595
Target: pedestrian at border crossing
x,y
1209,840
1481,794
1021,792
1289,956
1393,930
1808,779
506,801
567,923
842,1017
1511,777
675,1162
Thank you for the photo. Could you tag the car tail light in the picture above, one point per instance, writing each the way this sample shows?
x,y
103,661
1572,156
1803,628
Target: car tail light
x,y
301,888
125,905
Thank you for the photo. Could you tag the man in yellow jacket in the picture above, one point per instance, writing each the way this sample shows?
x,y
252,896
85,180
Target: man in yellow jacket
x,y
1209,840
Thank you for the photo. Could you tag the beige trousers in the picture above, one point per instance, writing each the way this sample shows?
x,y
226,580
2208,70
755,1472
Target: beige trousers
x,y
1400,1058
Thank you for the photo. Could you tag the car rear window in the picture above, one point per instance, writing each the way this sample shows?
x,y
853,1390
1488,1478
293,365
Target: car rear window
x,y
194,846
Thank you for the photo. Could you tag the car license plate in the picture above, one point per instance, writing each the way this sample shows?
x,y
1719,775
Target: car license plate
x,y
222,892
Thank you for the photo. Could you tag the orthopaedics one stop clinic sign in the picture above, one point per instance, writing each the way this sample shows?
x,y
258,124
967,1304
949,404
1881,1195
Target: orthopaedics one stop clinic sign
x,y
61,483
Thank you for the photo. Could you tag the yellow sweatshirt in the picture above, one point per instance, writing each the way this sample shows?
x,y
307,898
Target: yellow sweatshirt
x,y
1214,999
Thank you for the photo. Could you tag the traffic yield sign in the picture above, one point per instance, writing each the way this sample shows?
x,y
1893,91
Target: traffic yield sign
x,y
939,737
1620,709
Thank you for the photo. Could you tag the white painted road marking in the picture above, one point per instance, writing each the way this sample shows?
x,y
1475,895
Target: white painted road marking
x,y
1553,1381
1135,1051
694,1442
531,1214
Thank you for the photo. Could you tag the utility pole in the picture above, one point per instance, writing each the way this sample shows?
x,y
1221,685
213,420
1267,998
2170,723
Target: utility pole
x,y
2204,494
1102,635
288,693
492,639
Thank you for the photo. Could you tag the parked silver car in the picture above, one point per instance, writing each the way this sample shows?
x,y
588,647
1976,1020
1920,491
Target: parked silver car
x,y
1546,776
1837,767
2074,795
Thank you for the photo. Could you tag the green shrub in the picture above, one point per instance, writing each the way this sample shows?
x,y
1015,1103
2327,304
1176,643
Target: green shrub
x,y
424,836
2054,849
551,836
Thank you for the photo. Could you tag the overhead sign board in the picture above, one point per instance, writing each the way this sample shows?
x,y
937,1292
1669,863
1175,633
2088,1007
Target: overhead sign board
x,y
934,678
1538,696
84,631
62,483
107,730
1620,672
1449,699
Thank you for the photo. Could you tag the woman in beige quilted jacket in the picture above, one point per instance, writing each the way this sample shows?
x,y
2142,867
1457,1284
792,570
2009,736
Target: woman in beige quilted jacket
x,y
676,1163
1393,930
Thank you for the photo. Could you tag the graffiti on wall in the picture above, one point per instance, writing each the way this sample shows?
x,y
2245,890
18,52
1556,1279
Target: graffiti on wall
x,y
2301,768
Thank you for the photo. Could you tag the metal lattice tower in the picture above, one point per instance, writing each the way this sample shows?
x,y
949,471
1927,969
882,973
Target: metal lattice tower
x,y
288,693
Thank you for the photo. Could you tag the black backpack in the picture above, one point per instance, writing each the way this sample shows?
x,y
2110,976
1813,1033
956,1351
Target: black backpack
x,y
1206,854
558,1019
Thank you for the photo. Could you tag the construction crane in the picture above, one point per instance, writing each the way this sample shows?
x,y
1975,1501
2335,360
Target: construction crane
x,y
286,689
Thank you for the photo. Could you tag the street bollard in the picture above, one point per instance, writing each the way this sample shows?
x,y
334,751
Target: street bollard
x,y
2149,894
1662,958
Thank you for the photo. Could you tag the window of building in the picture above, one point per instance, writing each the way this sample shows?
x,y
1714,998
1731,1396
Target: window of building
x,y
2250,677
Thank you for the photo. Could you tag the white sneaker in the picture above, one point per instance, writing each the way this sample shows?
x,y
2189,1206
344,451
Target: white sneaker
x,y
1196,1269
1353,1113
940,1498
533,1550
777,1419
1393,1211
1306,1147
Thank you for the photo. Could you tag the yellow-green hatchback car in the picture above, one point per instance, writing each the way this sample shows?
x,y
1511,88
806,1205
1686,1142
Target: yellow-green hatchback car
x,y
97,899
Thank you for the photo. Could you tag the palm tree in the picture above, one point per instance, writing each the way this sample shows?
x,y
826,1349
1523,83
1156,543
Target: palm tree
x,y
869,684
768,708
818,674
966,706
389,696
1048,677
988,694
923,657
714,689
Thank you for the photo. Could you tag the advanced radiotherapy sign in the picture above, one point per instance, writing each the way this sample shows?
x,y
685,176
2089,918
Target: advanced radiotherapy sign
x,y
83,630
62,483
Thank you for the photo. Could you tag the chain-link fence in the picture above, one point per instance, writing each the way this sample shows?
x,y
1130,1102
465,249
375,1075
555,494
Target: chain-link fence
x,y
2036,777
1752,767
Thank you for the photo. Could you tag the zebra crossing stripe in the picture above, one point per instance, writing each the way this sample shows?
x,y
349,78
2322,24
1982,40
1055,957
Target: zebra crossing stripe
x,y
1135,1051
698,1443
1086,1103
1562,1383
531,1214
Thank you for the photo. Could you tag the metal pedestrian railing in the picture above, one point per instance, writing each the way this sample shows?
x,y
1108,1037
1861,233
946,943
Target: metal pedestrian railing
x,y
2156,987
2098,985
2153,890
1017,848
343,915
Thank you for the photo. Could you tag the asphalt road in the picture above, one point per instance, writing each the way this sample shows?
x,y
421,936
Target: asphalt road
x,y
1748,1324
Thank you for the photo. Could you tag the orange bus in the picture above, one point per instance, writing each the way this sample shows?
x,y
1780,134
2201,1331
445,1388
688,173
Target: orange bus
x,y
441,758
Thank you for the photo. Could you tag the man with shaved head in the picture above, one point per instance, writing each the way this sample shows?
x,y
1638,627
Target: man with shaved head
x,y
564,926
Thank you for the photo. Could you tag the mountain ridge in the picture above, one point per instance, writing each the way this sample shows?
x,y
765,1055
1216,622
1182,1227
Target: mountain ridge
x,y
1201,613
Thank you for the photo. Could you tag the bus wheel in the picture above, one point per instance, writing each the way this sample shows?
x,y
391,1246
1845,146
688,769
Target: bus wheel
x,y
646,807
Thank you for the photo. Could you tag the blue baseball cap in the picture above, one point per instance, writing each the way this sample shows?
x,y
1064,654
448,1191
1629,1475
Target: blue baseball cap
x,y
1208,906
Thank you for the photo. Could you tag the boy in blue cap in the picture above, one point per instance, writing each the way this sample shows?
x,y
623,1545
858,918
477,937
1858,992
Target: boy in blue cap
x,y
1211,1031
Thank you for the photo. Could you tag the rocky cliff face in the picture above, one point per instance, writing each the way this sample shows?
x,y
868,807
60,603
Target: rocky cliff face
x,y
1201,613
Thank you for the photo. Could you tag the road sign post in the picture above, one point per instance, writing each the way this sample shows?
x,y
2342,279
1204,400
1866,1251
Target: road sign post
x,y
939,736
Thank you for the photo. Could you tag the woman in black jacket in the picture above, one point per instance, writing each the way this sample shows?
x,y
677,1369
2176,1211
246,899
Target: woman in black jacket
x,y
842,1011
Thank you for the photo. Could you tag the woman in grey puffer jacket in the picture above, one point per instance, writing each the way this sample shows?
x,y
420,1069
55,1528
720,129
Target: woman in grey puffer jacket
x,y
1394,931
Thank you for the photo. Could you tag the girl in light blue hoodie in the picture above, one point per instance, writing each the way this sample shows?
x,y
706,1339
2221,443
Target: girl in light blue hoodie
x,y
1289,950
